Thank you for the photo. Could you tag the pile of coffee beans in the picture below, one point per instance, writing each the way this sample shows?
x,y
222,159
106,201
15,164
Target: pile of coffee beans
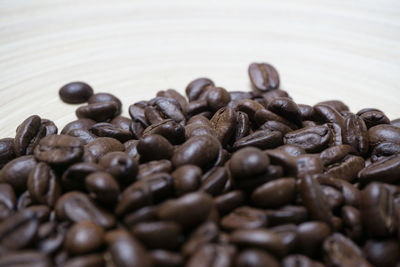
x,y
214,179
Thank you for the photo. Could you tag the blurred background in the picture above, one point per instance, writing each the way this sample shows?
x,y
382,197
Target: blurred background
x,y
348,50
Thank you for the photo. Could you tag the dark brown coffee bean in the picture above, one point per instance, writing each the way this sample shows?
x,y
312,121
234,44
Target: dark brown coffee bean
x,y
335,104
287,215
262,139
385,170
224,124
28,135
186,179
373,117
276,126
248,162
83,123
152,167
242,125
59,149
50,126
75,92
341,251
197,107
199,150
328,114
86,261
84,237
288,233
125,250
74,177
16,172
42,212
122,122
356,134
141,215
103,188
214,181
244,218
163,258
382,253
308,164
158,235
351,194
100,112
188,210
171,93
281,157
76,207
25,258
85,135
154,147
121,166
24,201
335,154
50,237
198,87
165,108
333,197
131,148
213,255
352,222
311,139
263,77
105,129
43,185
311,235
106,97
347,169
275,194
314,200
8,201
256,258
101,146
298,260
19,230
377,210
384,133
174,132
306,112
227,202
217,97
205,233
259,238
286,108
7,151
136,111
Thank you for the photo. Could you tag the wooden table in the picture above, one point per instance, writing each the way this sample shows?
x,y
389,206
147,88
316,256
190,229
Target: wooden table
x,y
322,49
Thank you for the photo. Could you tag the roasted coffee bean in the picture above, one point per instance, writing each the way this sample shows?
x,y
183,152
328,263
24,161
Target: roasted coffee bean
x,y
341,251
171,93
131,148
276,126
196,107
104,98
154,147
43,185
333,197
122,122
86,261
259,238
85,135
105,129
213,255
263,77
25,258
196,130
335,154
250,107
28,135
188,210
100,112
136,111
18,231
84,237
298,260
227,202
284,159
383,133
347,169
152,167
158,235
121,166
373,117
308,164
256,258
174,132
311,139
186,179
314,200
335,104
8,201
7,151
50,237
75,92
224,124
59,149
197,88
377,210
42,212
164,258
83,123
103,188
262,139
50,126
24,201
356,134
16,172
247,163
76,207
217,97
166,108
244,218
205,233
288,233
201,151
352,222
264,115
214,182
382,253
275,194
306,112
385,170
287,215
125,250
101,146
286,108
328,114
74,176
310,237
351,194
242,125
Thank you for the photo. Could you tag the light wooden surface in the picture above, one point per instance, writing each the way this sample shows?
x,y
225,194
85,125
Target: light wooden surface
x,y
322,49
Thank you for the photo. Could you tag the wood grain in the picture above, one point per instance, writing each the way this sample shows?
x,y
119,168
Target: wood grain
x,y
323,50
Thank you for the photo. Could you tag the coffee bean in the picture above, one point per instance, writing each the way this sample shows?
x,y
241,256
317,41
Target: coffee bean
x,y
59,149
382,253
311,139
352,222
308,164
125,250
136,111
104,129
28,135
214,181
373,117
384,133
84,237
213,255
74,177
103,188
101,146
106,97
385,170
43,185
100,112
86,261
85,135
256,258
248,162
262,139
244,218
122,122
152,167
7,151
341,251
224,123
188,210
298,260
186,179
263,76
76,207
50,237
164,108
174,132
16,172
276,193
8,201
356,134
84,124
311,236
197,88
328,114
25,258
227,202
154,147
217,97
75,92
164,258
205,233
121,166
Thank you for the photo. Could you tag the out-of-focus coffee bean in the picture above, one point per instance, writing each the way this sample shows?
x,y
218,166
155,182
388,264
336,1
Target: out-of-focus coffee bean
x,y
25,258
96,259
75,92
141,215
103,188
121,166
275,193
74,177
244,218
352,222
122,122
248,162
213,255
154,147
205,233
256,258
84,237
311,235
298,260
101,146
105,98
85,135
152,167
382,253
7,151
217,97
286,215
164,258
16,172
84,124
8,201
214,181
